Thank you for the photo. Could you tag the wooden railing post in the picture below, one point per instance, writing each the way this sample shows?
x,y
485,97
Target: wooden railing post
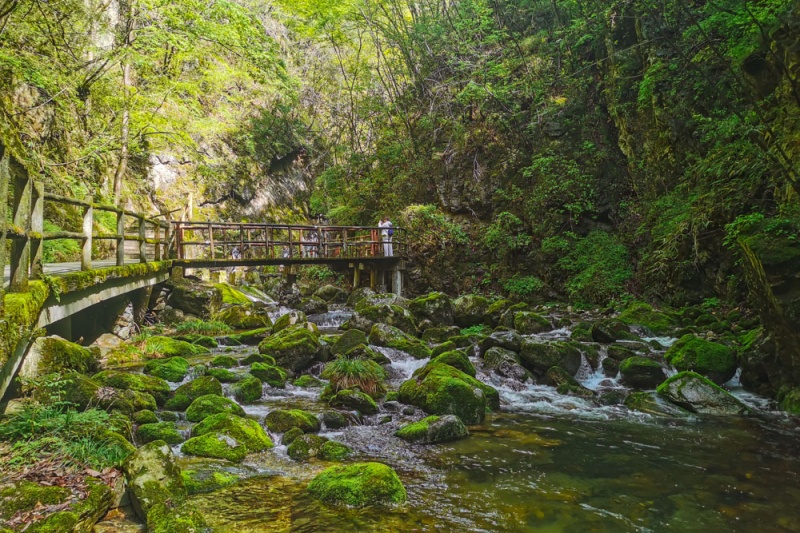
x,y
120,238
37,227
211,240
168,239
142,240
86,241
157,239
21,247
179,241
4,177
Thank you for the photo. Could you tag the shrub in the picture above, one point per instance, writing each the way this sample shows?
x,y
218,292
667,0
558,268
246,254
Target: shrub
x,y
599,267
350,373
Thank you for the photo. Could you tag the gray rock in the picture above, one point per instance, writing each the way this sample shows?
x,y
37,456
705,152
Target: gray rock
x,y
698,394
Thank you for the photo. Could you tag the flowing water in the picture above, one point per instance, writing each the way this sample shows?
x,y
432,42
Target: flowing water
x,y
545,462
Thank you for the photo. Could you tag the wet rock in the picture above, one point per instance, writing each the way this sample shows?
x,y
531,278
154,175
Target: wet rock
x,y
282,420
53,354
348,340
272,375
610,367
439,335
331,294
224,361
455,358
292,318
145,416
169,347
619,353
352,399
293,348
172,369
565,383
258,358
365,352
313,306
495,312
171,316
527,323
508,340
642,314
710,359
391,337
215,445
507,316
305,447
539,357
358,485
608,331
248,390
195,298
308,382
435,306
652,404
201,475
188,392
155,386
469,310
442,348
291,435
359,294
246,431
247,338
245,316
164,431
333,420
211,404
392,315
698,394
641,373
381,299
433,430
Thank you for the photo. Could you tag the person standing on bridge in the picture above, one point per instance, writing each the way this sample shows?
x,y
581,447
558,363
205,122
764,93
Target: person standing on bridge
x,y
386,236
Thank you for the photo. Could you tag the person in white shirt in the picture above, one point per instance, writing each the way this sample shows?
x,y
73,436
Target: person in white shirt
x,y
386,236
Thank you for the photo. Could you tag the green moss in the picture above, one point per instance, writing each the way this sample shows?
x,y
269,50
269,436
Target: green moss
x,y
433,429
644,315
248,390
289,319
353,399
293,348
215,445
258,358
60,521
273,375
335,451
169,347
188,392
439,335
290,435
206,481
527,322
145,416
391,337
166,431
304,447
249,338
200,340
224,361
347,341
282,420
173,369
245,430
456,359
24,495
156,386
231,296
21,313
358,485
174,517
59,355
392,396
306,381
790,402
715,361
224,375
244,316
442,348
211,404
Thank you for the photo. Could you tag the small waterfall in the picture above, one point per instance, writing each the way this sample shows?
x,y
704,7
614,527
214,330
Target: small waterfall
x,y
331,320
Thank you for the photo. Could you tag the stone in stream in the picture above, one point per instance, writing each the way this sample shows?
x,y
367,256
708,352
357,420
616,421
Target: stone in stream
x,y
353,399
434,306
201,474
359,294
455,358
494,312
358,485
446,346
211,404
333,420
619,353
307,381
348,340
698,394
313,306
290,435
509,340
247,338
166,431
505,363
331,294
539,357
157,490
434,429
293,348
157,387
642,314
224,361
224,375
216,445
652,404
565,383
173,369
391,337
439,335
304,447
507,316
195,298
641,373
170,347
248,390
245,316
273,375
528,322
608,331
282,420
715,361
363,351
469,310
441,389
245,431
53,354
188,392
145,416
393,315
292,318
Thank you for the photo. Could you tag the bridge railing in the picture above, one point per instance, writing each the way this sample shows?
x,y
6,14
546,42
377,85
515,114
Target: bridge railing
x,y
27,235
232,240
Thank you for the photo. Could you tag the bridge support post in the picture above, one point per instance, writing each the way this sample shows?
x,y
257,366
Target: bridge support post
x,y
37,227
21,247
356,275
142,240
397,280
4,176
86,244
120,239
373,278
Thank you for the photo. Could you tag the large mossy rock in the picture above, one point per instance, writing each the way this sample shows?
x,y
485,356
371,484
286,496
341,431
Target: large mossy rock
x,y
652,404
641,372
454,358
189,392
435,306
282,420
391,337
272,375
248,338
372,300
293,348
168,347
509,340
444,390
608,331
469,310
292,318
166,431
157,387
173,369
539,357
439,335
642,314
528,322
353,399
348,340
433,430
248,390
789,401
48,355
247,316
216,445
697,394
201,475
710,359
358,485
505,363
565,383
494,312
331,294
211,404
313,306
246,431
393,315
157,491
195,298
359,294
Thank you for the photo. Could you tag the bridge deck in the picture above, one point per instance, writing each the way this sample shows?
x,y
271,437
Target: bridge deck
x,y
60,269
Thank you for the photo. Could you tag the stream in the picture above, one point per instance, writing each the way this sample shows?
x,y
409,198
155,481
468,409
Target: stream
x,y
546,462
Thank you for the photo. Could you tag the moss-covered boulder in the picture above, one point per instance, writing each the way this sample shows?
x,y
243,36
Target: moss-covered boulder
x,y
166,347
619,353
368,354
156,486
24,495
189,392
505,363
145,416
308,382
200,340
313,306
359,294
391,337
292,318
358,485
469,310
258,358
282,420
392,315
248,390
641,373
53,354
201,475
565,383
608,331
381,299
642,314
304,447
245,430
211,404
245,316
273,375
173,369
442,389
224,375
293,348
528,322
440,334
434,306
331,294
157,387
290,435
539,357
246,338
495,311
433,430
454,358
509,340
166,431
347,341
353,399
697,394
224,361
652,404
217,446
195,298
789,401
715,361
333,420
